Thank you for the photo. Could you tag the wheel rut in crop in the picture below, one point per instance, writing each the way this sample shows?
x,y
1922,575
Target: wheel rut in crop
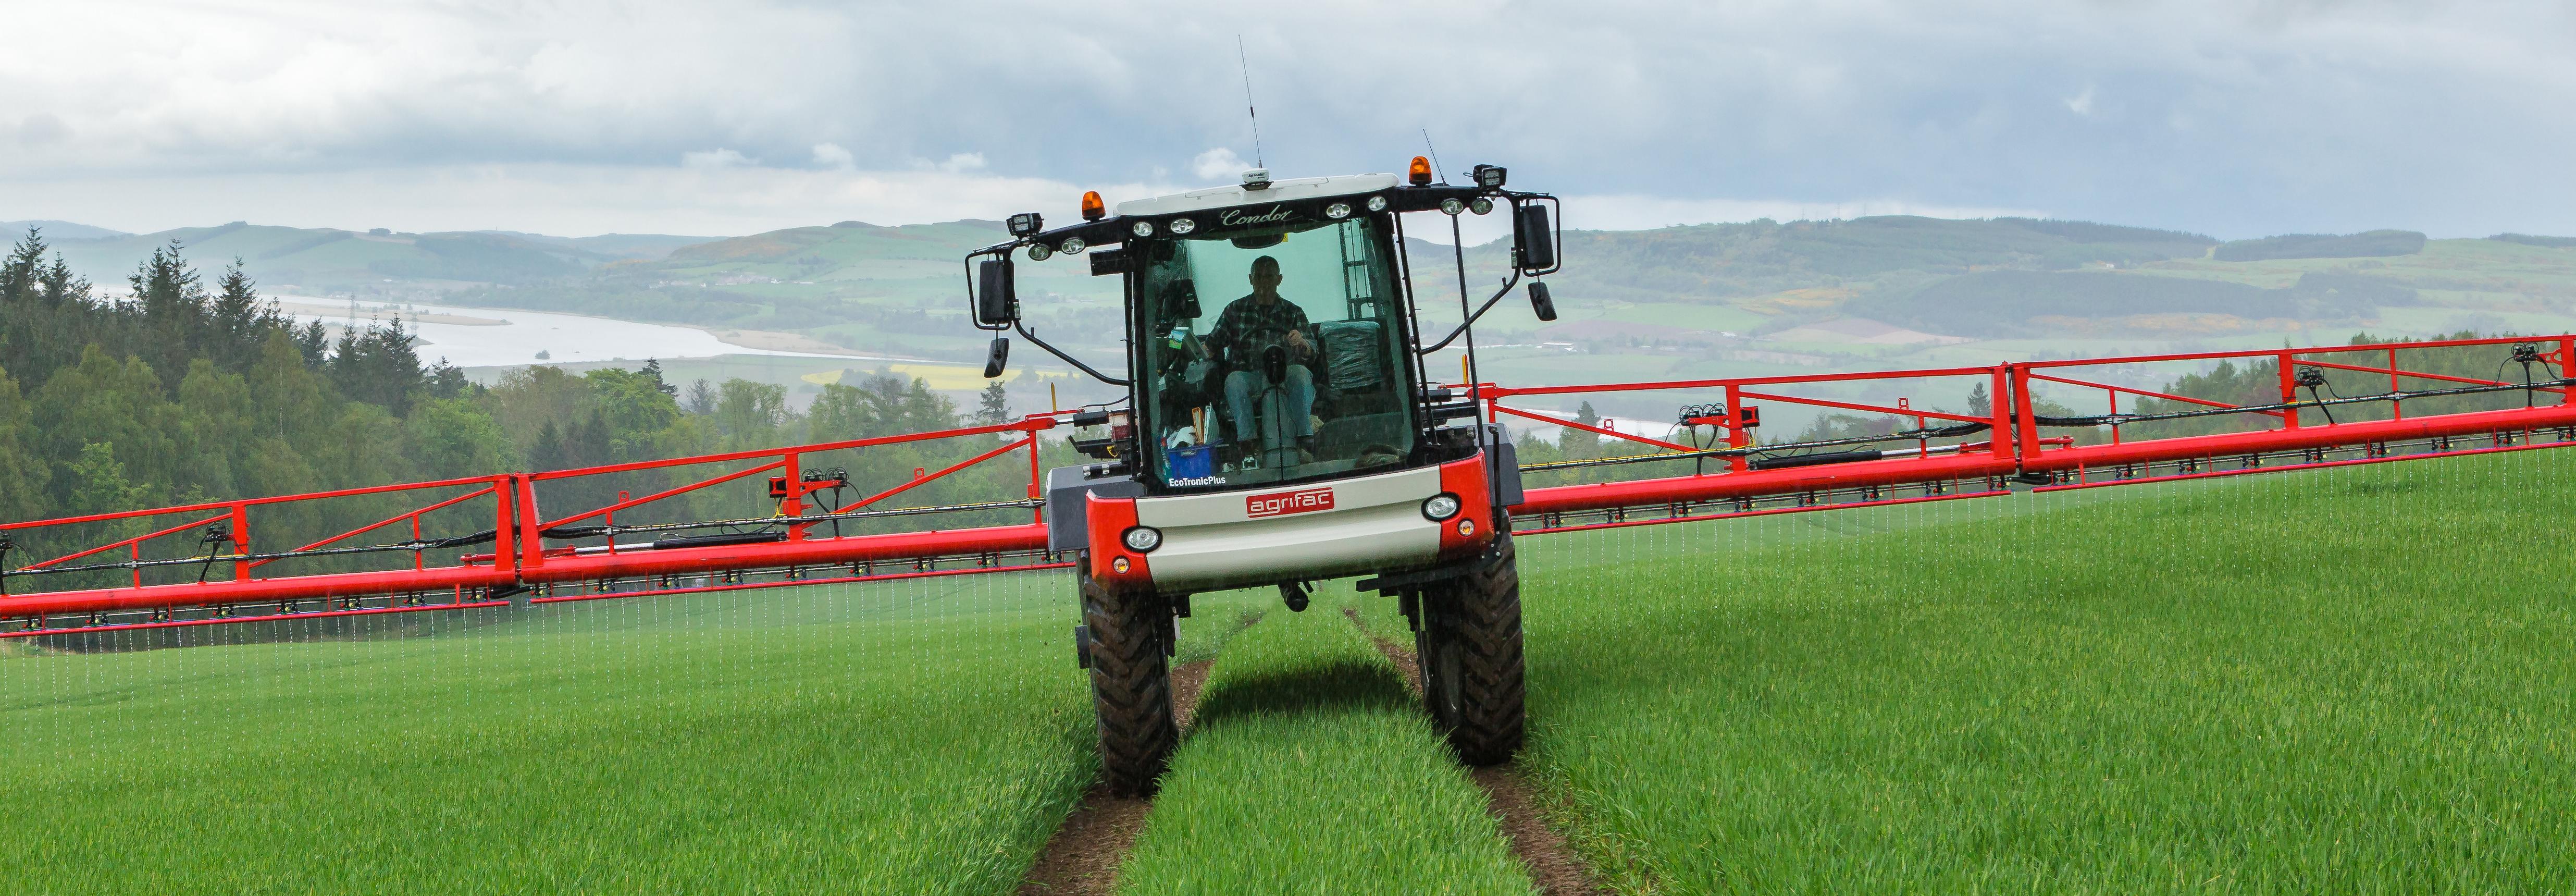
x,y
1083,855
1517,806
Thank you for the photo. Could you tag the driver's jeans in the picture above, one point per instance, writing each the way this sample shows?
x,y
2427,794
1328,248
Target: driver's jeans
x,y
1294,400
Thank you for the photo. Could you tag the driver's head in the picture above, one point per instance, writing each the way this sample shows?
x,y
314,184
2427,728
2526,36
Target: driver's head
x,y
1265,274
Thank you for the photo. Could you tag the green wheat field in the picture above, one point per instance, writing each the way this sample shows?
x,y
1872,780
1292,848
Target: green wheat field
x,y
2349,680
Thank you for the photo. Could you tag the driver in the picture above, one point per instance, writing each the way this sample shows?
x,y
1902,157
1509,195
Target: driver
x,y
1247,327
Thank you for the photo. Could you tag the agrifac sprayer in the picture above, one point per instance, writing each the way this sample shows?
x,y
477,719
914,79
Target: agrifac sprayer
x,y
1280,428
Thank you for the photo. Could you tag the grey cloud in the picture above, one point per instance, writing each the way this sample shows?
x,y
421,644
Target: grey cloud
x,y
2226,117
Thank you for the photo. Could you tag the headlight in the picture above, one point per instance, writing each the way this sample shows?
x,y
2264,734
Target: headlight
x,y
1452,206
1481,205
1182,226
1143,539
1073,246
1377,203
1338,210
1040,252
1440,507
1141,228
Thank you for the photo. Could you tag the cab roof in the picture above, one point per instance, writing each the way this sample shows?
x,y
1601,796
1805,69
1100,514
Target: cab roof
x,y
1279,191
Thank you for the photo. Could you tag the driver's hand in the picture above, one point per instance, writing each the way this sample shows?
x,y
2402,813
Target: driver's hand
x,y
1297,340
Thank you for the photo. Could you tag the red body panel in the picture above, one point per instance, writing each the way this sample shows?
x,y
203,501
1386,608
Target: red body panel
x,y
1466,479
1109,519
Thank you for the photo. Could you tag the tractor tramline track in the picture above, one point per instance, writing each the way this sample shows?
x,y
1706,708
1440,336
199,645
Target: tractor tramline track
x,y
781,550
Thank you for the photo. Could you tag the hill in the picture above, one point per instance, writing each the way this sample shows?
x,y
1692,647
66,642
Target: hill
x,y
55,230
314,261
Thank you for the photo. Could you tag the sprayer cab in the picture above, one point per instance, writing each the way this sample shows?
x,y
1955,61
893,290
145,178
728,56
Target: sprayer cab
x,y
1281,425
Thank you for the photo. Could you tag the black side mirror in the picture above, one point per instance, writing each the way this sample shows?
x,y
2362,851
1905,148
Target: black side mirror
x,y
997,302
1533,241
997,357
1540,302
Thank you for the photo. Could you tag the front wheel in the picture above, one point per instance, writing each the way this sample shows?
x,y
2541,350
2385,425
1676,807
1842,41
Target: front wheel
x,y
1469,646
1131,685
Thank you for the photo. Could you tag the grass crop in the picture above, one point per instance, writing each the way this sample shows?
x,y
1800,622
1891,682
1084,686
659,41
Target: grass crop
x,y
2346,680
1310,770
918,737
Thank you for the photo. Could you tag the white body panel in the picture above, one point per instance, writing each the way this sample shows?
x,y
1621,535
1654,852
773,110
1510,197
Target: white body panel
x,y
1279,191
1213,541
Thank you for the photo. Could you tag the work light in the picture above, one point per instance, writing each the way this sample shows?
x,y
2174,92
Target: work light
x,y
1440,507
1452,206
1143,539
1072,246
1338,210
1183,226
1377,203
1141,228
1026,223
1489,176
1480,205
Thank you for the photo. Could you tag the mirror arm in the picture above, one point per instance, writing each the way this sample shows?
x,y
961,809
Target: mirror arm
x,y
1069,359
1480,313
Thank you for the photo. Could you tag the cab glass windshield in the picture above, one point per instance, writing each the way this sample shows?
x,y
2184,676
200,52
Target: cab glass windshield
x,y
1273,355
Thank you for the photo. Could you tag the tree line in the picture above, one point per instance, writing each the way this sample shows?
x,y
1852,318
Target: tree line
x,y
179,393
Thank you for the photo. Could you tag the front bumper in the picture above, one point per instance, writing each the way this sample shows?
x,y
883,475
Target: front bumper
x,y
1342,527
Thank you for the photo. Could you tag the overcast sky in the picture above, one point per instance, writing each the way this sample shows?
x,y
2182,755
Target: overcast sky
x,y
2236,118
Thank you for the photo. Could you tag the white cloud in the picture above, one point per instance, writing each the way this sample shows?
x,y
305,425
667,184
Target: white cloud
x,y
831,155
962,162
715,158
2082,103
1218,164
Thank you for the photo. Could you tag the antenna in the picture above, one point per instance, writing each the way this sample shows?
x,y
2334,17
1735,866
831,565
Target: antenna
x,y
1435,155
1248,108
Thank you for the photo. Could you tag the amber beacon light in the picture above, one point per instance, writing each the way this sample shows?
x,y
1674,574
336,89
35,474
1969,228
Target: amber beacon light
x,y
1092,208
1420,173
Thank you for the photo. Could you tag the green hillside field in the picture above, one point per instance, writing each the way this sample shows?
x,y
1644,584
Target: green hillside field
x,y
1759,298
2348,680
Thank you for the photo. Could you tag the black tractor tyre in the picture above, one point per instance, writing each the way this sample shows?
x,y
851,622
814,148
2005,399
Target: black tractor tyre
x,y
1131,684
1469,647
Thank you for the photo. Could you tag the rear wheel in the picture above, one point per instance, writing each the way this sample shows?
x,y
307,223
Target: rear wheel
x,y
1131,686
1469,646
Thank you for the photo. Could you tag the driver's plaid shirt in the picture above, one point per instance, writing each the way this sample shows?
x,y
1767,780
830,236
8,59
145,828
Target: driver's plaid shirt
x,y
1246,316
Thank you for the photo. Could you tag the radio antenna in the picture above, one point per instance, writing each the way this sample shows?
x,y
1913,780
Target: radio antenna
x,y
1435,155
1248,108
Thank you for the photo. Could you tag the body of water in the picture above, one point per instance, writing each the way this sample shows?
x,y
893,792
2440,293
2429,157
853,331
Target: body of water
x,y
564,338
